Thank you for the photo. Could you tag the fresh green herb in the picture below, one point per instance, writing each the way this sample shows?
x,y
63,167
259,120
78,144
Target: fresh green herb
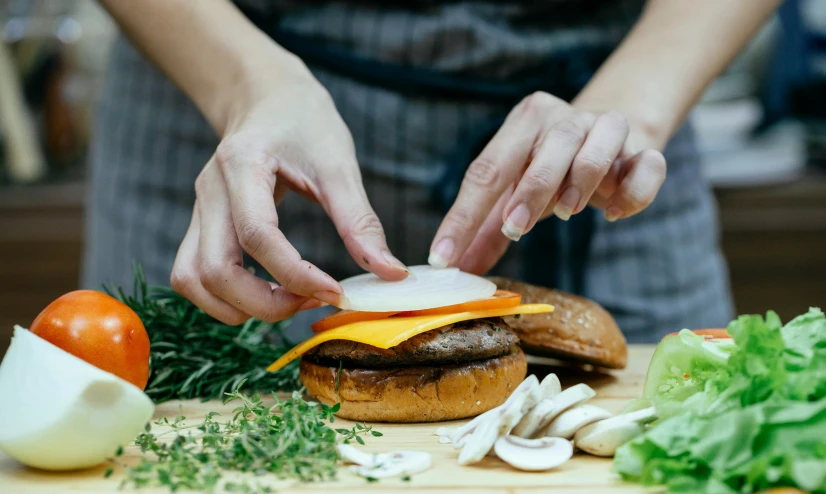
x,y
245,487
289,440
738,417
108,473
195,356
356,432
406,478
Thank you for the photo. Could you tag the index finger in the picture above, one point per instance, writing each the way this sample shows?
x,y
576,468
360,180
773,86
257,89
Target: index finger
x,y
250,179
220,261
497,166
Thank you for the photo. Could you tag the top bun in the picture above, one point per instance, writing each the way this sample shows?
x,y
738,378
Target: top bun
x,y
577,330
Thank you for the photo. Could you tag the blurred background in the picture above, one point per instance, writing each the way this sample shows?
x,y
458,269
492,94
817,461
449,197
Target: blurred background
x,y
762,127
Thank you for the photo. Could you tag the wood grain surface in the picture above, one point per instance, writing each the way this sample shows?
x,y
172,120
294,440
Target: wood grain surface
x,y
583,474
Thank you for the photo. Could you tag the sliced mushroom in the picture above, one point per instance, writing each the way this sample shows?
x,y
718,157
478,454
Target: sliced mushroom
x,y
533,454
444,434
533,394
533,423
444,431
476,445
573,419
604,437
352,454
394,464
515,408
548,388
461,433
527,387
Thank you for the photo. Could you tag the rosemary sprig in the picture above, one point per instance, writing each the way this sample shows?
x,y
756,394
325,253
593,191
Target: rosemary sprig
x,y
195,356
288,440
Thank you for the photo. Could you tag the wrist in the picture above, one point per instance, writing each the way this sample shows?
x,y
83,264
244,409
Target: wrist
x,y
647,129
646,134
268,71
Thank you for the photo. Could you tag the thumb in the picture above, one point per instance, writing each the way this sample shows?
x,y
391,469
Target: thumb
x,y
346,203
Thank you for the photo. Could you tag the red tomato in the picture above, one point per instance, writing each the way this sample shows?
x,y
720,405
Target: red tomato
x,y
500,300
100,330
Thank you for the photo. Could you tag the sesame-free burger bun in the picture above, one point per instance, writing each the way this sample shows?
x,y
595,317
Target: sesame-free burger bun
x,y
416,393
578,330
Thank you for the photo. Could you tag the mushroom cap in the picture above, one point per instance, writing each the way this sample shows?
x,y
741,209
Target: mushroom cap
x,y
394,464
533,454
543,413
604,441
604,437
505,417
549,387
573,419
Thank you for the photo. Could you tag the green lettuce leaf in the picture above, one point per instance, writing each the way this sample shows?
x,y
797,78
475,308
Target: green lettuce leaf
x,y
805,339
741,450
753,420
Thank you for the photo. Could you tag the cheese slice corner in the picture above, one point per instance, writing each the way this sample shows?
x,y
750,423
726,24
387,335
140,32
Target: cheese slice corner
x,y
387,333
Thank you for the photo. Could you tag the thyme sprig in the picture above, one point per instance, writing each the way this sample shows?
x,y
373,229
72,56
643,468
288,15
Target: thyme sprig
x,y
194,355
289,440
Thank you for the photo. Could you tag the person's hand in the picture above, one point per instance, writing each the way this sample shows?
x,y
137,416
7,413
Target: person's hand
x,y
285,134
547,158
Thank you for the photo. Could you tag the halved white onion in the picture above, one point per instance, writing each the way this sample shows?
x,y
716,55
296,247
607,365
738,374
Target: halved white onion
x,y
425,288
60,412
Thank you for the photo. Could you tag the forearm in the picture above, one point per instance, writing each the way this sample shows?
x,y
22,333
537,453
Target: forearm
x,y
673,53
207,47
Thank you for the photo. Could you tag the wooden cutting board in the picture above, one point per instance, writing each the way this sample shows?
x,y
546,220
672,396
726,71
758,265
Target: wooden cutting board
x,y
583,474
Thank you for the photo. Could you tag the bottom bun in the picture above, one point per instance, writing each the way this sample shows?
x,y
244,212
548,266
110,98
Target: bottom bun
x,y
417,394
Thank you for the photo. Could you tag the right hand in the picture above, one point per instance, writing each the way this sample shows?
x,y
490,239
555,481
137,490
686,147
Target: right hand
x,y
284,134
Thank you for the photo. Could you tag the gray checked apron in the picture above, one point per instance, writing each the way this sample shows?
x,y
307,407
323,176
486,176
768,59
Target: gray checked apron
x,y
422,85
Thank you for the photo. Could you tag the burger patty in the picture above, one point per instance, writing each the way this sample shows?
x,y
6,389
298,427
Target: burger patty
x,y
461,342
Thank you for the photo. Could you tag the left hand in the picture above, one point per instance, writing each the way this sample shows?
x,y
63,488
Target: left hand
x,y
547,158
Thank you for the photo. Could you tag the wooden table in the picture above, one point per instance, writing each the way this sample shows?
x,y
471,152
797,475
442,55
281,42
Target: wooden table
x,y
583,474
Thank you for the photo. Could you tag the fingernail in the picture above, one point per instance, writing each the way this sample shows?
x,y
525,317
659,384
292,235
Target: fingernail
x,y
516,223
332,298
440,256
567,203
311,304
393,261
613,213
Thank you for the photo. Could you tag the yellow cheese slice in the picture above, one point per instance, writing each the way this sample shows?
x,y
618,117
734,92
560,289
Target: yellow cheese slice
x,y
386,333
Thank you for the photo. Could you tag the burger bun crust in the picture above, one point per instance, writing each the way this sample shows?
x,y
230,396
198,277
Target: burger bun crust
x,y
578,330
418,393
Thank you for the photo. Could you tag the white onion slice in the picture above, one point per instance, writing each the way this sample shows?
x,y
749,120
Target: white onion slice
x,y
425,288
59,412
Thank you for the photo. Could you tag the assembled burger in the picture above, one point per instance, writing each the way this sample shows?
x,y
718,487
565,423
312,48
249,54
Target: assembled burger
x,y
420,359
